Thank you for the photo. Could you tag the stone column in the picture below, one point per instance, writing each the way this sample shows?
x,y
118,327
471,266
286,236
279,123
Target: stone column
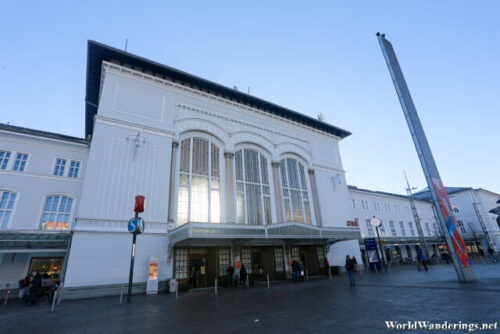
x,y
314,191
171,190
280,215
229,163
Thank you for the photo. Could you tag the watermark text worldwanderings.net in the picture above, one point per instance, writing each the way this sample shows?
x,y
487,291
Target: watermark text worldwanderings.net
x,y
445,325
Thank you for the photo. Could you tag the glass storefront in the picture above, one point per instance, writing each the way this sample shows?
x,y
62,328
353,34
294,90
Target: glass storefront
x,y
46,265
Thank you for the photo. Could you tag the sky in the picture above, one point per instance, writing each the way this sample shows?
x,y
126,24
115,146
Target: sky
x,y
312,57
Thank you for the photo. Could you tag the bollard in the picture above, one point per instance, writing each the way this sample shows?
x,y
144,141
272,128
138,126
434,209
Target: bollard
x,y
307,276
6,298
246,283
268,286
176,289
216,286
330,273
121,295
54,300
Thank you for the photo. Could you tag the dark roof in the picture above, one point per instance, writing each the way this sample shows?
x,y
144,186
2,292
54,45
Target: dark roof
x,y
97,53
38,133
426,195
383,193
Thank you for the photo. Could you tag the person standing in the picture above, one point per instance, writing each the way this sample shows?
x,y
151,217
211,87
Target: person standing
x,y
295,271
349,266
230,275
243,275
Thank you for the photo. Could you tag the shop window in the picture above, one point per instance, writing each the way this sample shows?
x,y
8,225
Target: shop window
x,y
224,261
246,259
321,257
296,254
181,263
46,265
56,213
278,259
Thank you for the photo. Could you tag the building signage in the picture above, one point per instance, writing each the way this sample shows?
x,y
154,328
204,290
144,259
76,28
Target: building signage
x,y
353,223
371,250
136,225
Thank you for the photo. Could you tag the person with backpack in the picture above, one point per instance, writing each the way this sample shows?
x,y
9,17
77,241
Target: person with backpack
x,y
230,275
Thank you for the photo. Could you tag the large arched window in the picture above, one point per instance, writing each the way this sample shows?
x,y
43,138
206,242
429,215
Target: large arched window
x,y
7,200
295,198
253,198
199,182
56,212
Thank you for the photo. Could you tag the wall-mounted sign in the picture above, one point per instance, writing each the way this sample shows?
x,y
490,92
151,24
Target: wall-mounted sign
x,y
353,223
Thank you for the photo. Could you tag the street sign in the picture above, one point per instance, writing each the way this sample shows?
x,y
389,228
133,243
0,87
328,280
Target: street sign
x,y
136,225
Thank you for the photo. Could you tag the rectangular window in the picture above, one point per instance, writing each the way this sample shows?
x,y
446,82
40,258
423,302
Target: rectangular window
x,y
7,200
20,162
181,263
223,260
60,165
382,228
246,259
369,228
402,227
4,159
412,230
278,260
74,169
461,226
393,228
427,229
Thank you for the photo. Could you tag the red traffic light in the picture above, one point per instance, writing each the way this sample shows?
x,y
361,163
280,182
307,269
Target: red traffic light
x,y
139,203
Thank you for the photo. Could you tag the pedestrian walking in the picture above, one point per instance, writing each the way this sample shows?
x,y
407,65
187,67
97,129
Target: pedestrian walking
x,y
349,266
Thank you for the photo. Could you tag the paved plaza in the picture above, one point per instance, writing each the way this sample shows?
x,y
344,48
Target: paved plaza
x,y
319,305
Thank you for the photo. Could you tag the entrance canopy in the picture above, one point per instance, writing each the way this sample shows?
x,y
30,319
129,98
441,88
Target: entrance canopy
x,y
33,241
275,231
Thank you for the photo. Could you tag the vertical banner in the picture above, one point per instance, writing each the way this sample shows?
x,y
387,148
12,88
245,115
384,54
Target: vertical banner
x,y
436,188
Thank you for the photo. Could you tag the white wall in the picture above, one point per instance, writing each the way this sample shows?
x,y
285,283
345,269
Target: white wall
x,y
104,258
338,251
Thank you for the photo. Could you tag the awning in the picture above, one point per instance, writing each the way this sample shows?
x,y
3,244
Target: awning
x,y
23,241
275,231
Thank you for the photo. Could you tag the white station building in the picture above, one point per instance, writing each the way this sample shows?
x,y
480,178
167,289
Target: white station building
x,y
227,177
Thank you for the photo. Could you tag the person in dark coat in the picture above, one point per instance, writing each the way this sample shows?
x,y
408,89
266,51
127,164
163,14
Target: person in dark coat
x,y
36,285
295,271
243,275
230,275
349,267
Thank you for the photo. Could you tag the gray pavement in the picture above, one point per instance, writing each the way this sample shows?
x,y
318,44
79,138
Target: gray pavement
x,y
316,306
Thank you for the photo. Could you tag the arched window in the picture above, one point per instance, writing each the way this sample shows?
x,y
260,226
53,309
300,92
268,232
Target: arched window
x,y
199,182
253,197
56,212
7,200
295,198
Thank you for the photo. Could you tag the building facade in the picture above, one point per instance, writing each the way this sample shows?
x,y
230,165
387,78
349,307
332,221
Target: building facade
x,y
228,179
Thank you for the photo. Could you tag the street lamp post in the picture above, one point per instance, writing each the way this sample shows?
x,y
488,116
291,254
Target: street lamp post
x,y
375,222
